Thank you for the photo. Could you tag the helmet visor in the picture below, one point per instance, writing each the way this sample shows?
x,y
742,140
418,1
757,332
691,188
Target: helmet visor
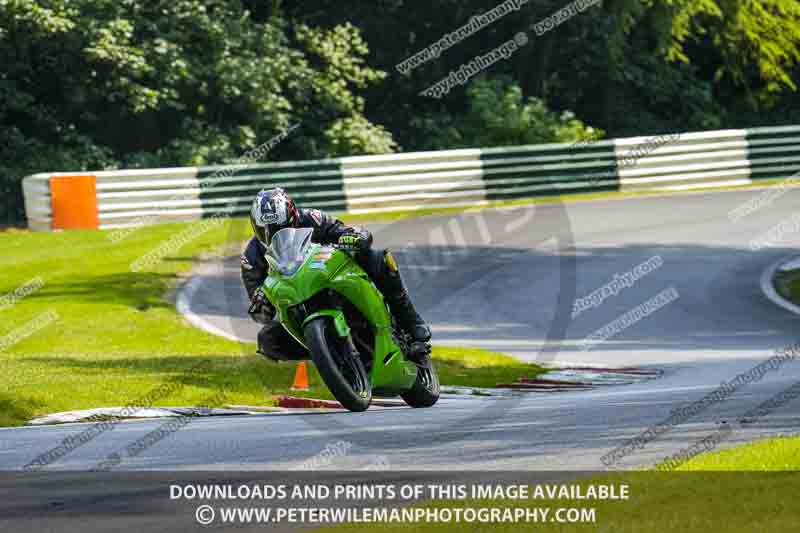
x,y
265,233
270,230
261,234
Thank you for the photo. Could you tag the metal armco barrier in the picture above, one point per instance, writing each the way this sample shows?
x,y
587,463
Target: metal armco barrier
x,y
367,184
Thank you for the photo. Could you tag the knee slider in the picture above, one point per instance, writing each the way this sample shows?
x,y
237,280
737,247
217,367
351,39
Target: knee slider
x,y
390,262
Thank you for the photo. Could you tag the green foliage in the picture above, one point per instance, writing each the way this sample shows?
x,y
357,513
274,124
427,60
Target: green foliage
x,y
756,42
653,97
499,115
356,136
122,83
760,45
670,22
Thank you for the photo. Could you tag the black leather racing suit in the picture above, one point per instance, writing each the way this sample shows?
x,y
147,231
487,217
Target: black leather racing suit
x,y
273,340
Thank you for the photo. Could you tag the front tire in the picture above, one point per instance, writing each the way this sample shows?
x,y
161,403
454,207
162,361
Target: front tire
x,y
425,392
344,375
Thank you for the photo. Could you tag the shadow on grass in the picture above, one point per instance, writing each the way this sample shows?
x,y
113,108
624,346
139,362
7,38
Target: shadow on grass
x,y
14,411
248,374
243,374
169,381
197,259
141,291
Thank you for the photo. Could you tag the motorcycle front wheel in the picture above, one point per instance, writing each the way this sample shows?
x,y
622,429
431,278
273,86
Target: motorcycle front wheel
x,y
343,373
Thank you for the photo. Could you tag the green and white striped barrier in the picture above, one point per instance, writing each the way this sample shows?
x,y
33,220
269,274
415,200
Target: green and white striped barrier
x,y
369,184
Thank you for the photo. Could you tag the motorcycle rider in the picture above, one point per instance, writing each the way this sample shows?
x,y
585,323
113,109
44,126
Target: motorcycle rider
x,y
273,210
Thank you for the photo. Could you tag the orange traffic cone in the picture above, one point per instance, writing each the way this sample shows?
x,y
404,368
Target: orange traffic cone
x,y
301,377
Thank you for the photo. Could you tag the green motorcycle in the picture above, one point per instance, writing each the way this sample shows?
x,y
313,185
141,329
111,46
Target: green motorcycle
x,y
328,303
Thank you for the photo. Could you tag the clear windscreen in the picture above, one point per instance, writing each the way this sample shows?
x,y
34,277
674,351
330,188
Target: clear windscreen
x,y
287,249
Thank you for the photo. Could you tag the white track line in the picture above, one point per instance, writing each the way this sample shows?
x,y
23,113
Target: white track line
x,y
768,288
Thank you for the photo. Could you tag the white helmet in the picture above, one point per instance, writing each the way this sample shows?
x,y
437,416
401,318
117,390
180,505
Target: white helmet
x,y
272,211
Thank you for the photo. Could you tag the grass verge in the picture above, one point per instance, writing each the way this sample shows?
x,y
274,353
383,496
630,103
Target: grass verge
x,y
778,454
751,487
115,338
474,367
658,501
787,284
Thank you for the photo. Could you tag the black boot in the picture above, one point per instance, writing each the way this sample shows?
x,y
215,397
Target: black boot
x,y
403,309
276,344
408,319
410,322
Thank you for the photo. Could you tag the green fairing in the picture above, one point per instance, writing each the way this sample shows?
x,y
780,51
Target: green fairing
x,y
328,268
339,321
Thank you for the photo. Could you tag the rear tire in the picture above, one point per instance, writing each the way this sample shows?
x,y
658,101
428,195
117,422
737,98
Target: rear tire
x,y
344,375
425,392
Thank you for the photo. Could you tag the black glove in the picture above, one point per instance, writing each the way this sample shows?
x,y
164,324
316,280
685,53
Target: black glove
x,y
261,310
357,241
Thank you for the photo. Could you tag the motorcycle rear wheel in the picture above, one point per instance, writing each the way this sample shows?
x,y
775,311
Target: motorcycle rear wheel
x,y
344,374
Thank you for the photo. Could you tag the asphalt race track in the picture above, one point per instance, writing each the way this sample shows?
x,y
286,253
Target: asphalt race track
x,y
506,280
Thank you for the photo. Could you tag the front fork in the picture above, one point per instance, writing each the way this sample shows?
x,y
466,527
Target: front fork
x,y
342,329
